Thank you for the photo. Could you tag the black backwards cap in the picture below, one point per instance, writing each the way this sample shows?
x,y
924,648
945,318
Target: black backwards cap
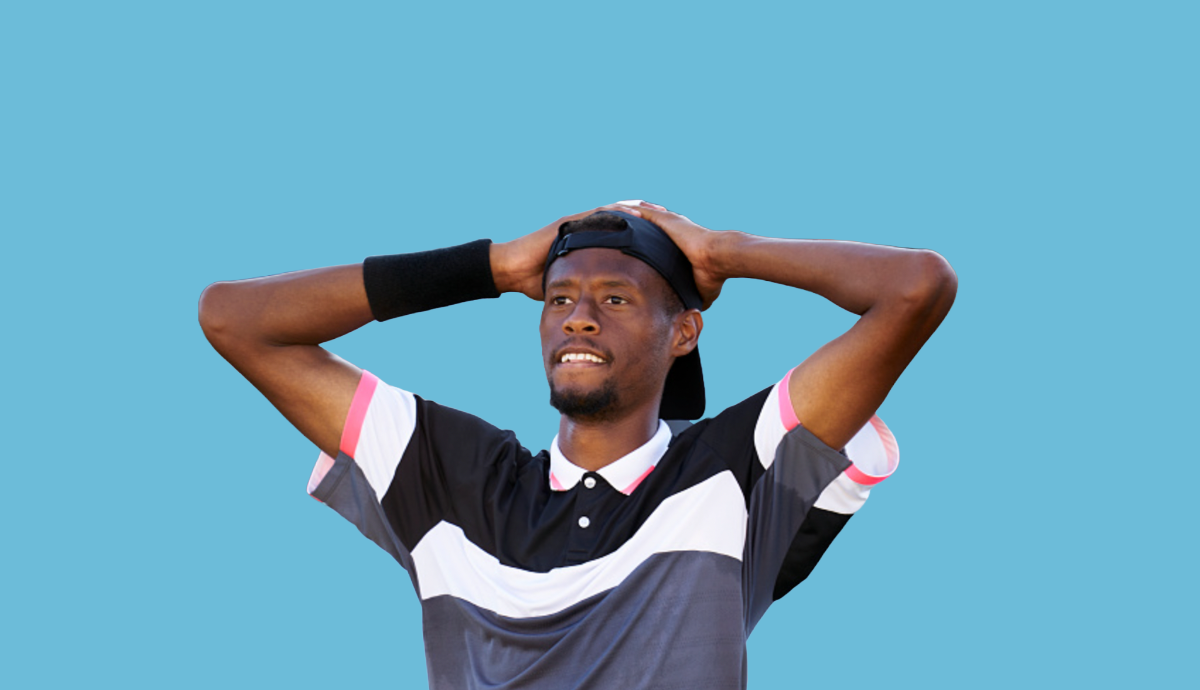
x,y
683,394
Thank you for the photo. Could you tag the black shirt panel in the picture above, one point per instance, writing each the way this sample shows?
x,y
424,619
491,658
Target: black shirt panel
x,y
730,436
460,469
817,532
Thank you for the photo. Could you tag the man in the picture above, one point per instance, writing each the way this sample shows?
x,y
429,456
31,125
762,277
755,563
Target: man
x,y
634,553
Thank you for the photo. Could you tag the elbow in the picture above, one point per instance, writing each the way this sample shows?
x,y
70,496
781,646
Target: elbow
x,y
932,285
214,312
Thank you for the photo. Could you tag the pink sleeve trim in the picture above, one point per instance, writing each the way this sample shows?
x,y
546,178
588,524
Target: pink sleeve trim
x,y
358,412
889,441
350,432
787,413
859,477
891,450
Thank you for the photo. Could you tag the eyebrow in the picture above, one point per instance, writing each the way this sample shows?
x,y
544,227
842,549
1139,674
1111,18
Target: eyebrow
x,y
617,283
568,282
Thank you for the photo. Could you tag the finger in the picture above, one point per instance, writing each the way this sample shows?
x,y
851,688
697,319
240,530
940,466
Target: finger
x,y
641,203
653,212
623,208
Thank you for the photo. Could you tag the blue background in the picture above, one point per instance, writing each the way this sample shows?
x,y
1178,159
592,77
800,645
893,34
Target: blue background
x,y
156,529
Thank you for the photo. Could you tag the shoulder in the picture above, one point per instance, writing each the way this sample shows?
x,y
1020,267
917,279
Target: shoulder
x,y
725,441
727,433
392,423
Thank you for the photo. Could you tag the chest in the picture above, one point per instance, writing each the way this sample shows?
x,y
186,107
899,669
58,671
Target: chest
x,y
592,540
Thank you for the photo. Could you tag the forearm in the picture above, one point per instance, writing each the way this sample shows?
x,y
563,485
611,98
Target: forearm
x,y
300,308
852,275
271,329
318,305
314,306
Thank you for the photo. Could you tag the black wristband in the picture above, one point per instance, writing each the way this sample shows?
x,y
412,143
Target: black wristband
x,y
400,284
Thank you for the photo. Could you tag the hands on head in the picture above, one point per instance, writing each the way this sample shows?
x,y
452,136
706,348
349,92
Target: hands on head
x,y
517,265
698,243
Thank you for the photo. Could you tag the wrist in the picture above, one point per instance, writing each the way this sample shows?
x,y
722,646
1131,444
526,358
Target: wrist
x,y
722,252
401,284
500,254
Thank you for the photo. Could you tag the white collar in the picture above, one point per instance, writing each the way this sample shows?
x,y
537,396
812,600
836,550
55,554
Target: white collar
x,y
624,474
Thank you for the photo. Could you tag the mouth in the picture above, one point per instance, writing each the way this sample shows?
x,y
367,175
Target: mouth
x,y
579,358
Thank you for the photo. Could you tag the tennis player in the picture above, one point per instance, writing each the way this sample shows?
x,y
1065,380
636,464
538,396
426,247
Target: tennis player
x,y
641,548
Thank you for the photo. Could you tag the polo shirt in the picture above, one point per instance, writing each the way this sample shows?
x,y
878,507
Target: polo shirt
x,y
648,573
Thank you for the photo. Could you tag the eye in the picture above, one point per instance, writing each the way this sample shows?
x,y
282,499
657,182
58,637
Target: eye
x,y
559,300
617,299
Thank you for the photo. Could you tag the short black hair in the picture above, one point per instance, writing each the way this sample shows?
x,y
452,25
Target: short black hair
x,y
605,221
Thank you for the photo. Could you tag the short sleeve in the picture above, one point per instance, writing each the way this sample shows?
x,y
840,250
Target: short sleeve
x,y
406,465
378,428
805,495
375,436
872,452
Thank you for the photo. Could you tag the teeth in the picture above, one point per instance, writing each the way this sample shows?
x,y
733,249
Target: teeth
x,y
580,357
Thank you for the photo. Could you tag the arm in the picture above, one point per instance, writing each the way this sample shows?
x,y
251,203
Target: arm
x,y
270,329
901,295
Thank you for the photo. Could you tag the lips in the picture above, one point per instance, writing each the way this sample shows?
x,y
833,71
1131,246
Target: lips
x,y
575,356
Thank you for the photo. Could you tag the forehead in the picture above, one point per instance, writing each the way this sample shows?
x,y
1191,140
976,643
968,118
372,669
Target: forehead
x,y
601,263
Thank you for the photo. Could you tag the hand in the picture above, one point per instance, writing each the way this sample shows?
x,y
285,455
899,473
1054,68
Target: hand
x,y
697,243
517,265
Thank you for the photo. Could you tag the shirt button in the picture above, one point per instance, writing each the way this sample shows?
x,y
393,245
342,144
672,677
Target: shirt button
x,y
584,522
589,482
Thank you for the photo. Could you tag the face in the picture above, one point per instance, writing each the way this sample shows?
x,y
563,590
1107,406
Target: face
x,y
607,341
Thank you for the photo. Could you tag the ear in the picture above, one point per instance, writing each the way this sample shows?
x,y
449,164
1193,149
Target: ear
x,y
688,325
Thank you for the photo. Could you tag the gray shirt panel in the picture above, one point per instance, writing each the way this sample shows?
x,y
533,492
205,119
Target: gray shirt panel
x,y
345,489
780,501
675,622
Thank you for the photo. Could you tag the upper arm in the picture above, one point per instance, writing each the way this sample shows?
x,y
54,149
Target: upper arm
x,y
840,386
311,387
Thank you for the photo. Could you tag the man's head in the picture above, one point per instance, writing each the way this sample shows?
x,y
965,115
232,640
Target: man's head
x,y
613,326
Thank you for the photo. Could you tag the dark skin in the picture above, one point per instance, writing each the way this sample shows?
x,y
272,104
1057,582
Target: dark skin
x,y
901,296
270,329
606,304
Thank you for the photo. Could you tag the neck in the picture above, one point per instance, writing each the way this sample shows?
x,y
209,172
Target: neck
x,y
592,445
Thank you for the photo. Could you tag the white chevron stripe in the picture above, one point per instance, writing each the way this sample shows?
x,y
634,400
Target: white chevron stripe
x,y
710,517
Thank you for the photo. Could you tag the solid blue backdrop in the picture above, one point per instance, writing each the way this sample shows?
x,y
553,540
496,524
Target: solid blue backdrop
x,y
157,532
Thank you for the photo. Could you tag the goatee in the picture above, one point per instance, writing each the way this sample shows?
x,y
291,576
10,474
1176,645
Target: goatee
x,y
593,406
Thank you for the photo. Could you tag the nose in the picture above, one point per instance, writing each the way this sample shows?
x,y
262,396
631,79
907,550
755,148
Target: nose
x,y
582,319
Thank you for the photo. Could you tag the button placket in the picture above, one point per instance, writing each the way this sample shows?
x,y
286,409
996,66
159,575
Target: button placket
x,y
592,499
589,482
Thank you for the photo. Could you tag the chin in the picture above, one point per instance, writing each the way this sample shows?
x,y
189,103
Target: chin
x,y
596,404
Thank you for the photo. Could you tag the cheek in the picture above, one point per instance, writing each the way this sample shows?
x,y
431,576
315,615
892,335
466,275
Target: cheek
x,y
652,351
661,334
545,331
